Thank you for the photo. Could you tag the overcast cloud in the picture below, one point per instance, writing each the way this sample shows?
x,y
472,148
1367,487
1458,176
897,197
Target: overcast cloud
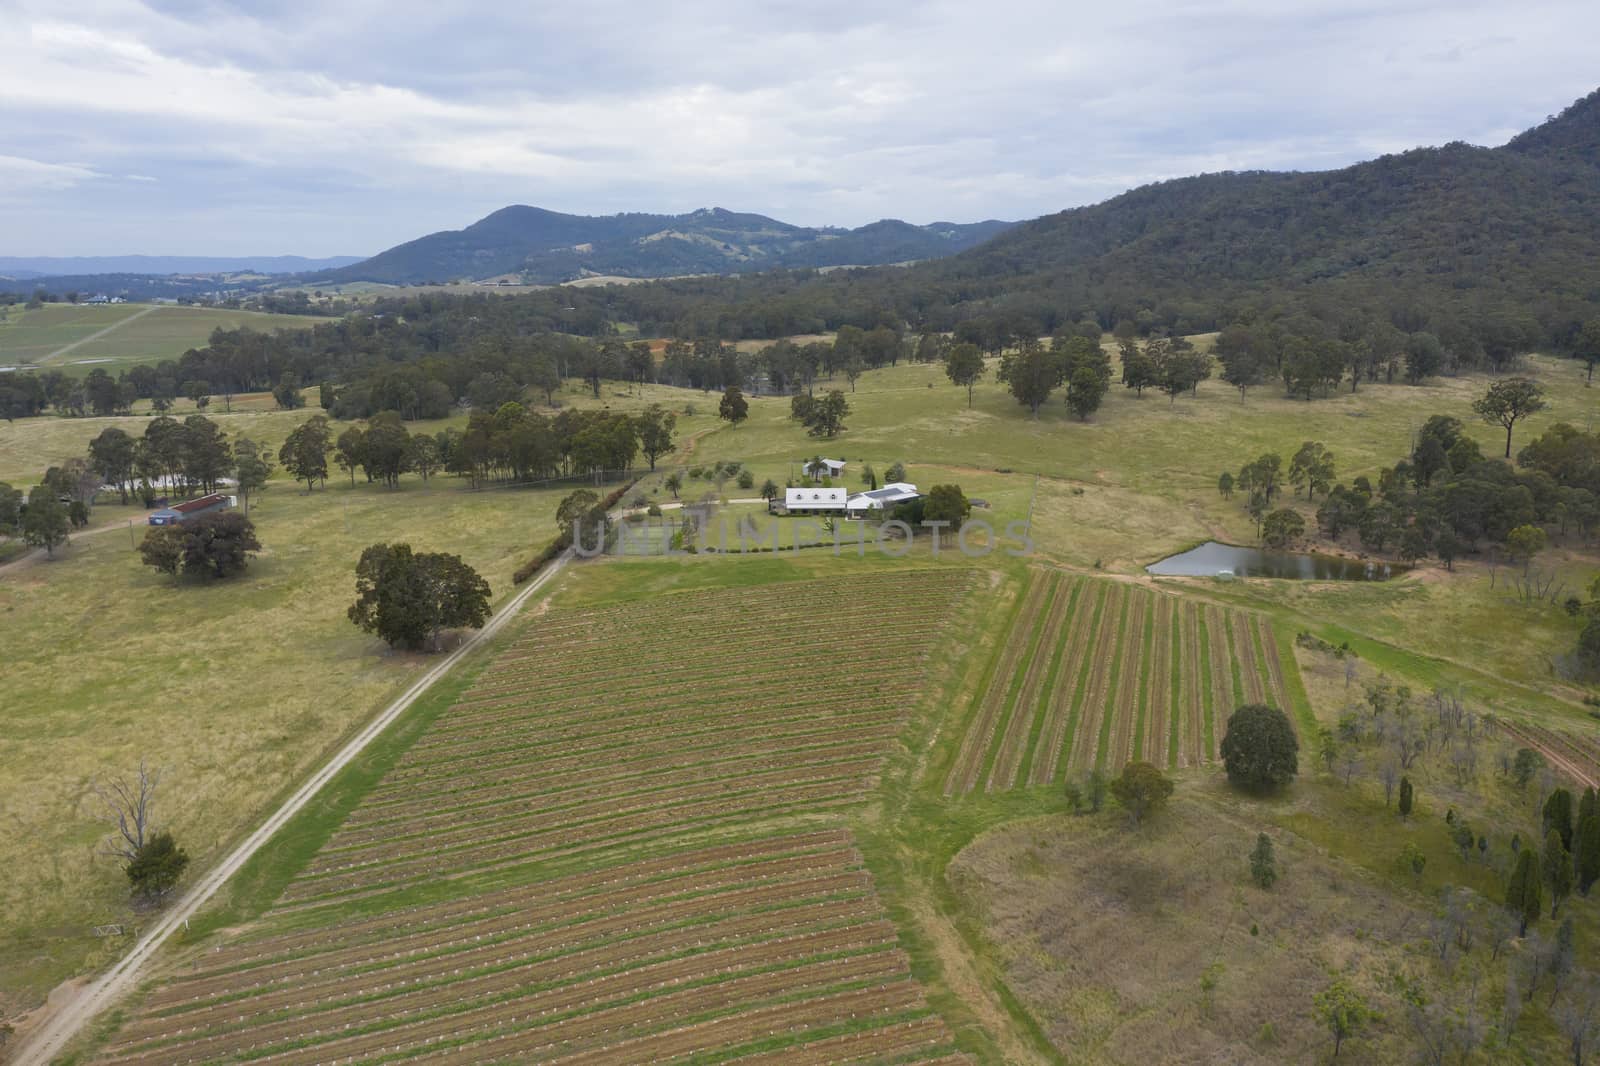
x,y
319,128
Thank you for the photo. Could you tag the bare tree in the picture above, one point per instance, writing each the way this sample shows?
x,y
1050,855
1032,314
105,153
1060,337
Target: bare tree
x,y
1349,763
1409,743
1578,1018
1389,775
1458,909
1502,930
128,804
1513,1004
1464,760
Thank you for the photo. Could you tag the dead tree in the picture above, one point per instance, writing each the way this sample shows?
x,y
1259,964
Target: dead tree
x,y
129,804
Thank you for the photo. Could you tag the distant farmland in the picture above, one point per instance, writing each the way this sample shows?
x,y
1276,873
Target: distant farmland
x,y
625,841
135,333
1095,673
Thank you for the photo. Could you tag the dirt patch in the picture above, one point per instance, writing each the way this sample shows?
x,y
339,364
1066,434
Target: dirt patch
x,y
1109,955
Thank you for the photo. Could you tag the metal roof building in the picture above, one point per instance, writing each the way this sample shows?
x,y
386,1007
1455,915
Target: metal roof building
x,y
171,516
884,499
812,501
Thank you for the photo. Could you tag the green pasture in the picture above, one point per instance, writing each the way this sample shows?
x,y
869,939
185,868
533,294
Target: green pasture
x,y
136,333
236,688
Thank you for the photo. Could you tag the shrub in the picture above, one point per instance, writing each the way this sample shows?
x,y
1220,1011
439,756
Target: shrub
x,y
1263,864
156,867
747,480
1259,750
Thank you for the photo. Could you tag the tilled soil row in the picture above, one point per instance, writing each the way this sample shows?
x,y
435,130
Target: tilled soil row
x,y
1192,750
1221,676
463,793
541,928
549,984
577,807
674,664
674,605
887,999
1053,737
1269,652
975,744
1019,726
892,1041
775,600
577,839
522,714
605,731
1244,644
1087,740
1159,721
1128,685
772,857
514,805
606,1022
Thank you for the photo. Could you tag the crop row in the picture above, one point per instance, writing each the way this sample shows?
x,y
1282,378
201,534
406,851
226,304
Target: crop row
x,y
616,824
1092,674
633,883
633,828
407,932
524,782
1065,701
511,804
1013,645
573,740
619,970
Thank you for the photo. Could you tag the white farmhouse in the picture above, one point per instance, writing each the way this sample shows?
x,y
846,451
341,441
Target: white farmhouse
x,y
814,501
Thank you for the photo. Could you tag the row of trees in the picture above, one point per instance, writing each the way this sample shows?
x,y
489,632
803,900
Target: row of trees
x,y
512,443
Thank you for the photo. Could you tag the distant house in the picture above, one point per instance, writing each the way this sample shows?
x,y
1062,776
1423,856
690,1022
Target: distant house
x,y
97,299
880,501
832,467
182,512
814,501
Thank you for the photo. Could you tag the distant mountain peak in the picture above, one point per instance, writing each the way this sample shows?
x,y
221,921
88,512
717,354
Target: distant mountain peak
x,y
547,246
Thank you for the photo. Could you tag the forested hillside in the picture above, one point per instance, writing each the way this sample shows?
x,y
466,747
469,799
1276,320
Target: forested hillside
x,y
1501,240
546,246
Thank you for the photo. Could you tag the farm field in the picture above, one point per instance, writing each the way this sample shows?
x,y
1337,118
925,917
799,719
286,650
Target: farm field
x,y
606,849
235,688
138,333
1092,673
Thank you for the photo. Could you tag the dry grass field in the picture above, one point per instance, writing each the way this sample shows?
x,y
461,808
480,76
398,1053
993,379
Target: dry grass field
x,y
235,688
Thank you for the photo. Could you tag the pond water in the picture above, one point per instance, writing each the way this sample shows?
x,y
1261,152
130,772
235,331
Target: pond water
x,y
1212,559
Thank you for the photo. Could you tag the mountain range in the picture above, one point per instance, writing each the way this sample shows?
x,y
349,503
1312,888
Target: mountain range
x,y
25,268
533,245
1453,232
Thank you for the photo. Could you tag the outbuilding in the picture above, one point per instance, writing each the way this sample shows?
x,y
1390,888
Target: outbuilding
x,y
814,501
182,512
829,468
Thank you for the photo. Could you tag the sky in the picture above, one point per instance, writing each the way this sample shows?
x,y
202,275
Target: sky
x,y
314,128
